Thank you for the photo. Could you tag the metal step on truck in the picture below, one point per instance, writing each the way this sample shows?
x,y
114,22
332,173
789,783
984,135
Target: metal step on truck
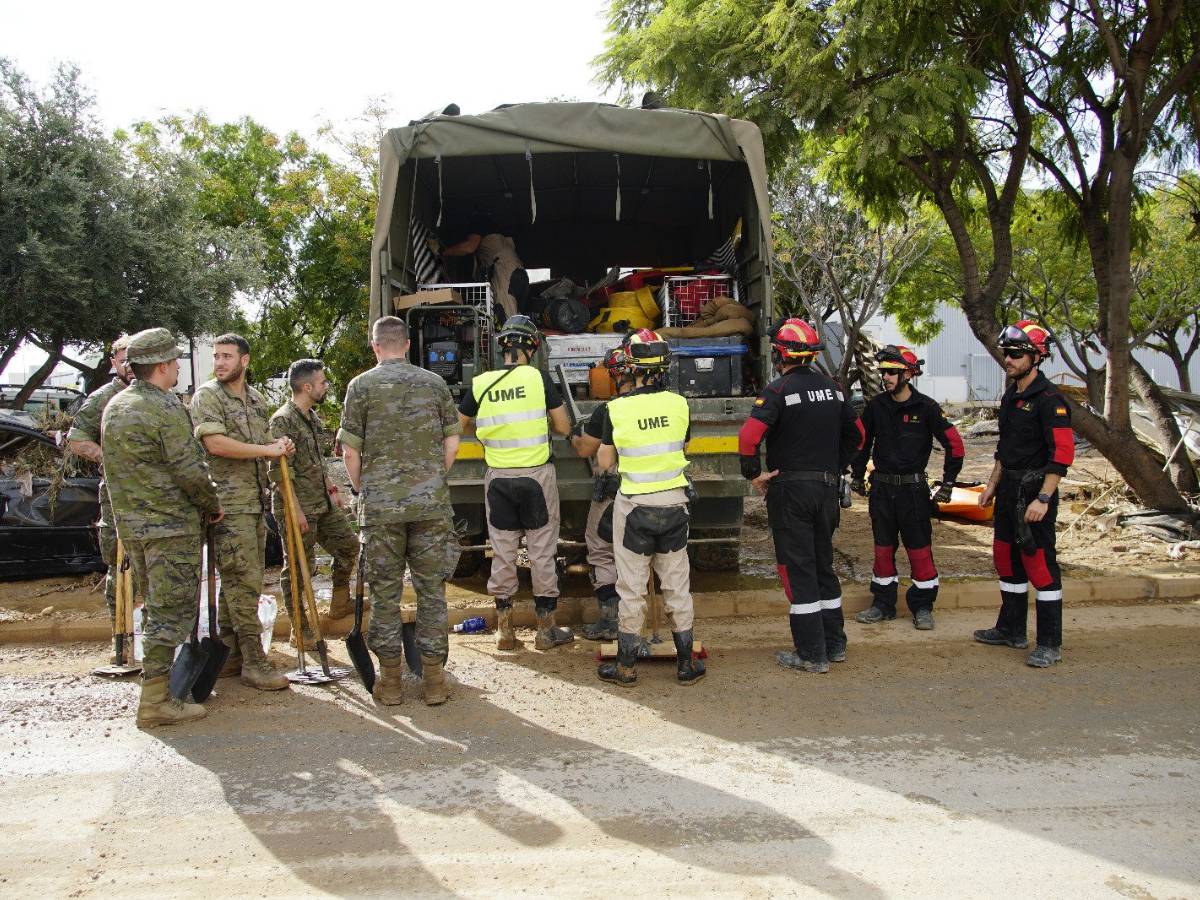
x,y
592,193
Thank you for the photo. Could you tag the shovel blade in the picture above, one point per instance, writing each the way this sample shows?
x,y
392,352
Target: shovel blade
x,y
216,654
186,669
412,656
356,648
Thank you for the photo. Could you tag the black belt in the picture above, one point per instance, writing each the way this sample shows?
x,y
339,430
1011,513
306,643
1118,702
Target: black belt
x,y
1023,474
792,475
915,478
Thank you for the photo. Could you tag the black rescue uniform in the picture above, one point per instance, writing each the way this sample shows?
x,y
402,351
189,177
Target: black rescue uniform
x,y
1035,438
900,437
812,433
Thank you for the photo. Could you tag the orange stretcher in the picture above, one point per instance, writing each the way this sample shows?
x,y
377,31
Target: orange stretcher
x,y
964,504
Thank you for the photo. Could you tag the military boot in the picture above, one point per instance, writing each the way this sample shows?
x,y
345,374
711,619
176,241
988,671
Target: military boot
x,y
257,671
605,629
623,670
998,638
388,686
157,707
1044,657
923,619
873,614
548,636
790,659
687,670
506,638
433,680
233,663
340,605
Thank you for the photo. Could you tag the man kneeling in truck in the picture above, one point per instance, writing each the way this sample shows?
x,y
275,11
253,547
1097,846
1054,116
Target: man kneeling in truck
x,y
507,409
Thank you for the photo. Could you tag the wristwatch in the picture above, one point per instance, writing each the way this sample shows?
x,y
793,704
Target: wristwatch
x,y
1044,498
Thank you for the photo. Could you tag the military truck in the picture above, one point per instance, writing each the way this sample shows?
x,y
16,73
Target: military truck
x,y
581,188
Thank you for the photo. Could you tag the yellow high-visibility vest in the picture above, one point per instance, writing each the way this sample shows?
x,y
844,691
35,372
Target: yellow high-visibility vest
x,y
649,432
511,419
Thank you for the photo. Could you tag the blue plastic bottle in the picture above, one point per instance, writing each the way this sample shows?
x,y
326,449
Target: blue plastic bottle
x,y
473,625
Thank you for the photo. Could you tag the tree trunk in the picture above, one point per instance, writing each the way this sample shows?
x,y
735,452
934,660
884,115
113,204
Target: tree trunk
x,y
1183,474
38,378
9,352
1095,388
1136,465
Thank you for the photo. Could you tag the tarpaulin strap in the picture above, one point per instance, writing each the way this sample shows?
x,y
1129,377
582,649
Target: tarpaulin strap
x,y
412,193
617,157
532,194
710,192
437,161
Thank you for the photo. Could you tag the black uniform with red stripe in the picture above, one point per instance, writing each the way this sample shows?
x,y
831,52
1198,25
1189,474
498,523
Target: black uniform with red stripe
x,y
812,434
901,435
1035,438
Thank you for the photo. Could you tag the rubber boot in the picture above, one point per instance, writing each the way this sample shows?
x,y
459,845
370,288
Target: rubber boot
x,y
687,670
157,707
548,636
433,680
506,638
605,629
257,671
340,605
623,670
388,686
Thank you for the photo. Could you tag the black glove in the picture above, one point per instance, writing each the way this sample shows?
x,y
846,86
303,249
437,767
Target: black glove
x,y
858,485
944,492
751,467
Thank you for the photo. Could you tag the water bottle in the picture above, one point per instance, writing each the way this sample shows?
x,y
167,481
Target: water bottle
x,y
473,625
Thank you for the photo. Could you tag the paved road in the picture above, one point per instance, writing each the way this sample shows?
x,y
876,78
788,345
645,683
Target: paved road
x,y
925,766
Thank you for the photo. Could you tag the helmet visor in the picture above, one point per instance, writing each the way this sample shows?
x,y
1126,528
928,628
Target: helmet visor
x,y
1014,335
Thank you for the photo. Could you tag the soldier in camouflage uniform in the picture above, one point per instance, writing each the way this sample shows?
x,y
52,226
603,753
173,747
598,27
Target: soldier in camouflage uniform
x,y
84,440
161,495
399,437
231,421
322,520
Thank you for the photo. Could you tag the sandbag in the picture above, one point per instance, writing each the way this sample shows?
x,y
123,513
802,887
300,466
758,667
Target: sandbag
x,y
725,328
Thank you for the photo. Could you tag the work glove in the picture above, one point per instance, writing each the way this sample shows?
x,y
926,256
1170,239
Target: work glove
x,y
944,492
858,485
751,467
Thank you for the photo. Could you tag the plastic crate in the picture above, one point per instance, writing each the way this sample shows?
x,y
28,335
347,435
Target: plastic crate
x,y
682,296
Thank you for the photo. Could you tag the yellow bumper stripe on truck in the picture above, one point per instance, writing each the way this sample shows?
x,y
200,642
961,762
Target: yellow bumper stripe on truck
x,y
699,446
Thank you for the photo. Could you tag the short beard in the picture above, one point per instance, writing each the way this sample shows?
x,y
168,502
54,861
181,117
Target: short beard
x,y
232,376
900,383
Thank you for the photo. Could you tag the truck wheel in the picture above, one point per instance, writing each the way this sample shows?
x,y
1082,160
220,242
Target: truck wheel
x,y
719,557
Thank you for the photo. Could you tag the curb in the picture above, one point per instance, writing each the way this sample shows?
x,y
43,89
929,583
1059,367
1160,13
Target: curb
x,y
1114,591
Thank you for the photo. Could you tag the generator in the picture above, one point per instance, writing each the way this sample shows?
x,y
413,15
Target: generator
x,y
444,358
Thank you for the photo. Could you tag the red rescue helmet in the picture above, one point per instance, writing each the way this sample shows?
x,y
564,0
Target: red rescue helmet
x,y
795,341
1027,335
614,363
645,351
897,357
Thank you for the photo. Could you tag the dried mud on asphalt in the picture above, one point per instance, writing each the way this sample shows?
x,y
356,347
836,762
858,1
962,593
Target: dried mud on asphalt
x,y
923,766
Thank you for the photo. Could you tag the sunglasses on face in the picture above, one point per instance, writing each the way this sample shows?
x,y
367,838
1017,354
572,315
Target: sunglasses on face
x,y
1015,354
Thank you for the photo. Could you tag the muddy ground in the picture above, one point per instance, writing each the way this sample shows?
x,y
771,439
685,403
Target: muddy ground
x,y
924,766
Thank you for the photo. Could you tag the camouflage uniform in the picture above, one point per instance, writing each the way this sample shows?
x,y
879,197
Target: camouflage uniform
x,y
161,491
397,415
86,427
328,525
243,485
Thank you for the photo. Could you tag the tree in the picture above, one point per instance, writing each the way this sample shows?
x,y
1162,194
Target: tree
x,y
949,102
93,240
831,263
312,213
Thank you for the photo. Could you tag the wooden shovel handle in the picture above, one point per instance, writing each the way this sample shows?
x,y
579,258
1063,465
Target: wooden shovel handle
x,y
293,516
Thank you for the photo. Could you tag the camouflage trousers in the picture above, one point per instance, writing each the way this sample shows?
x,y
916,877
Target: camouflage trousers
x,y
167,574
429,550
241,555
108,552
333,532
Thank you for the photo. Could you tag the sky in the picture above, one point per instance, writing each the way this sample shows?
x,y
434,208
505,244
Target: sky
x,y
297,65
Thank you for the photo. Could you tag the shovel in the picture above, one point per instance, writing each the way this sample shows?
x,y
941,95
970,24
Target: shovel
x,y
296,545
214,648
122,622
356,644
190,661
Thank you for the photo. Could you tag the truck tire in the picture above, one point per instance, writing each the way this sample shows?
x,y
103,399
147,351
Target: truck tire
x,y
718,557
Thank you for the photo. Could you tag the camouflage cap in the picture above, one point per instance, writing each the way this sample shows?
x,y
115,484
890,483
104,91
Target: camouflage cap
x,y
154,345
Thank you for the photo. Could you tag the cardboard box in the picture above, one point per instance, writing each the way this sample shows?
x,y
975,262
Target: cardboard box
x,y
421,298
